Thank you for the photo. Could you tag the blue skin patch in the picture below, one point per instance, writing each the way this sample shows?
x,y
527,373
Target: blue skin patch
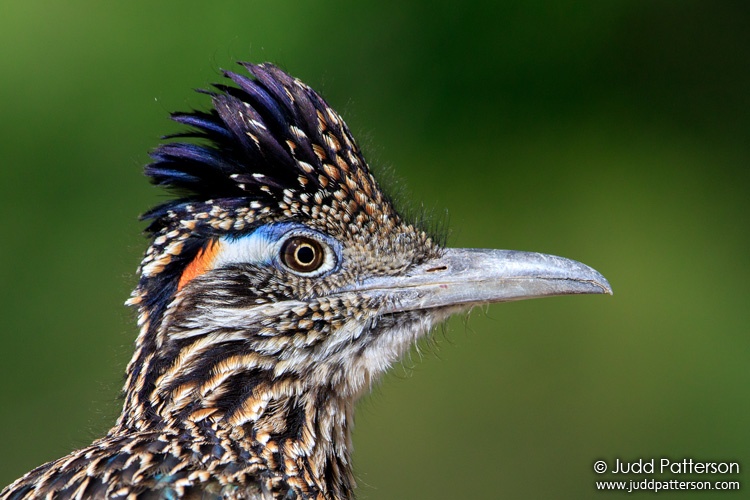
x,y
263,246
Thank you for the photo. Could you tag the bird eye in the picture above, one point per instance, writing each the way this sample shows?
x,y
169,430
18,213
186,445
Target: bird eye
x,y
302,254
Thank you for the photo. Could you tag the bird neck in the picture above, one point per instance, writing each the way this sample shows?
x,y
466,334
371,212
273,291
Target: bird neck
x,y
207,391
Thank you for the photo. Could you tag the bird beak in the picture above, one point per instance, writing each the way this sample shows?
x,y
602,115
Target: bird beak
x,y
461,276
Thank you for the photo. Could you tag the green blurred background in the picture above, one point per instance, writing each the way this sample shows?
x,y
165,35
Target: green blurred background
x,y
615,133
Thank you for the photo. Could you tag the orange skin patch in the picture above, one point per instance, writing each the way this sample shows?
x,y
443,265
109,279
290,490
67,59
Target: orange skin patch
x,y
200,264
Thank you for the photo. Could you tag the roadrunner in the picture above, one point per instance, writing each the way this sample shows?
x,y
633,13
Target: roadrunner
x,y
278,286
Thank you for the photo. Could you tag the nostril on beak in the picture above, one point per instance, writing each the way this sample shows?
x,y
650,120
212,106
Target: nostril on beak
x,y
435,269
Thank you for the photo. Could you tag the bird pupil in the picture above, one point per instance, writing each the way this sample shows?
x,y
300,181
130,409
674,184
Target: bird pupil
x,y
305,255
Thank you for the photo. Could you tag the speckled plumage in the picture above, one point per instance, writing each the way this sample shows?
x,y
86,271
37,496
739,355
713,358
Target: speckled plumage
x,y
247,368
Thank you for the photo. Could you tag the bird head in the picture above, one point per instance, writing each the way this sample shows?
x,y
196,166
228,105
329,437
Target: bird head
x,y
281,269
